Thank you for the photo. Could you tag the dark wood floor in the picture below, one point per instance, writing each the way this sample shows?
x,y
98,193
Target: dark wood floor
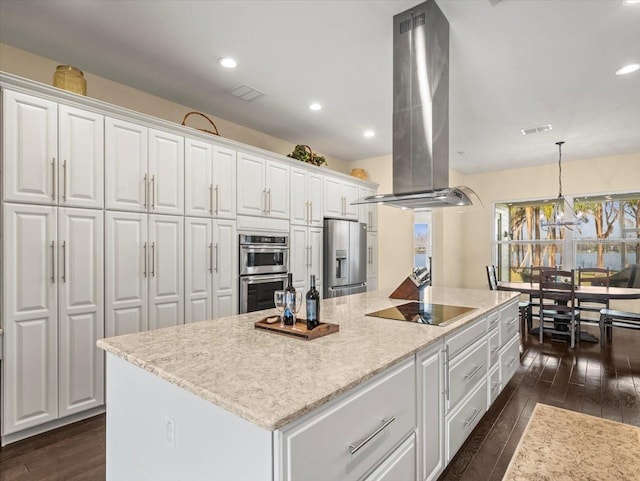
x,y
601,382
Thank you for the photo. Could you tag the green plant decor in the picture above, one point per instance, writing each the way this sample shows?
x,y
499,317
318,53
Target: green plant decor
x,y
305,154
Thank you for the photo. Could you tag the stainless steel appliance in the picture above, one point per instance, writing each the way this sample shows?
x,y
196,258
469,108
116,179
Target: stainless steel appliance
x,y
264,262
345,263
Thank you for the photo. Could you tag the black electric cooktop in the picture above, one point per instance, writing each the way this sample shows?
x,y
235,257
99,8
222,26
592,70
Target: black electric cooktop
x,y
421,313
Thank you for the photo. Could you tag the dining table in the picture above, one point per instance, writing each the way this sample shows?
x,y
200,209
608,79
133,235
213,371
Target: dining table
x,y
582,293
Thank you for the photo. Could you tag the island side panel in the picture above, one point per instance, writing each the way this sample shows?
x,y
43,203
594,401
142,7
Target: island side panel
x,y
158,431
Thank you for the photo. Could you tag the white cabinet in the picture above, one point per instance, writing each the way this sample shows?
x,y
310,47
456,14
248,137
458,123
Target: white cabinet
x,y
29,148
210,179
166,173
81,321
166,268
30,312
400,465
430,387
306,197
81,152
211,269
305,259
263,187
372,261
144,272
368,213
338,196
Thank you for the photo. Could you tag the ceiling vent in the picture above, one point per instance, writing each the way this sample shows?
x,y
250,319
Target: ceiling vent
x,y
244,92
535,130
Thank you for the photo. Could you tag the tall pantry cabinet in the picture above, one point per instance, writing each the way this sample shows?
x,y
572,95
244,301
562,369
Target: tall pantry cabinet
x,y
53,266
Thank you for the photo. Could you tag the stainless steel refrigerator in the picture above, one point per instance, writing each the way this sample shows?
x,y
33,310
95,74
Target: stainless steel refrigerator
x,y
345,257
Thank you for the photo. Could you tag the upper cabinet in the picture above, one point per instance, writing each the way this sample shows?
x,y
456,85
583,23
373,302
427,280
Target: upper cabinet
x,y
224,183
306,197
368,213
144,169
338,198
263,187
29,148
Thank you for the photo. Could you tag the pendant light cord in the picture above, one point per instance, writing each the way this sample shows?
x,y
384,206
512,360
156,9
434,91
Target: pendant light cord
x,y
559,144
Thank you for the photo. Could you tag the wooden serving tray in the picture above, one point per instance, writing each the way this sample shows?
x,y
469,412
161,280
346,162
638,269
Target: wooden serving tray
x,y
299,330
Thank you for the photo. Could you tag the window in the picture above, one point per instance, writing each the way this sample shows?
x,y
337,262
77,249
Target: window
x,y
609,236
422,240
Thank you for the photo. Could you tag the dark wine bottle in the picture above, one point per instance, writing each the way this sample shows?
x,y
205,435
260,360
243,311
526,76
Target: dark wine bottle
x,y
313,305
290,299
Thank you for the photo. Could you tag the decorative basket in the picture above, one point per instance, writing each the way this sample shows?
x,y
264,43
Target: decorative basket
x,y
305,154
70,78
360,174
184,122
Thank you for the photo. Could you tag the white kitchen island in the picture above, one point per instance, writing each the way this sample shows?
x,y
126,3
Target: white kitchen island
x,y
380,399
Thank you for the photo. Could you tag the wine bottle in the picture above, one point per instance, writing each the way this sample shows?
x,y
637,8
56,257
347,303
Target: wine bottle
x,y
290,301
313,305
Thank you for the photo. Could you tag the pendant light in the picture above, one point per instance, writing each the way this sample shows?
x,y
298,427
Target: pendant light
x,y
562,214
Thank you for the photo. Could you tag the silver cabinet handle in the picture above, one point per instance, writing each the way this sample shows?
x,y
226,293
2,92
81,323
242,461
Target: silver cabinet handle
x,y
145,258
153,192
53,181
311,256
216,267
145,190
474,372
496,385
475,415
311,211
211,198
447,374
153,259
357,446
513,361
496,349
269,197
210,257
308,256
513,320
370,220
64,261
493,323
306,212
64,180
264,201
53,262
216,189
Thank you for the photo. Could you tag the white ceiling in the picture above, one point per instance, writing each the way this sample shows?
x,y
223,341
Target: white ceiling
x,y
514,64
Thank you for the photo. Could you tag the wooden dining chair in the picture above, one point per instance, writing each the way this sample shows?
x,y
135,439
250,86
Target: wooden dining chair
x,y
592,276
523,306
534,300
561,317
610,318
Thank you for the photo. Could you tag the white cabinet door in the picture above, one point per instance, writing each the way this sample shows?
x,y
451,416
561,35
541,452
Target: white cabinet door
x,y
166,268
400,465
198,269
126,270
333,198
225,268
299,199
315,255
29,148
80,277
198,160
252,194
224,183
125,153
30,392
350,192
298,256
166,172
430,363
81,147
314,193
368,213
372,260
277,184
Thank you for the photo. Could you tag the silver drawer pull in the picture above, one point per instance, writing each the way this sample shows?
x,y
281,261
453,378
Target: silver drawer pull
x,y
474,372
357,446
475,415
495,349
495,321
513,320
512,362
496,385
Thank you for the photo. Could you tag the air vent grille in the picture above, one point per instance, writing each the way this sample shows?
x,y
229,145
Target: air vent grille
x,y
535,130
418,20
405,26
244,92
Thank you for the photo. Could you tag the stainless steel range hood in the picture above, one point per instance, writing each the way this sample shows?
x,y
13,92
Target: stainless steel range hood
x,y
421,113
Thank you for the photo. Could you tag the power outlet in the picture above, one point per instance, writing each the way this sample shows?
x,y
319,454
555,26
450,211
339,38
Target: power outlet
x,y
170,432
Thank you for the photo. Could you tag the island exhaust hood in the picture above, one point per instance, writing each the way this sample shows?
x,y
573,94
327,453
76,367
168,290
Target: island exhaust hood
x,y
421,113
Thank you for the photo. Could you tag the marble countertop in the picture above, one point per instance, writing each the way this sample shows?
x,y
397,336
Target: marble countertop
x,y
271,380
564,445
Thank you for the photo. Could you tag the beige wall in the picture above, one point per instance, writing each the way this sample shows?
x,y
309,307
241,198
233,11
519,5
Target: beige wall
x,y
31,66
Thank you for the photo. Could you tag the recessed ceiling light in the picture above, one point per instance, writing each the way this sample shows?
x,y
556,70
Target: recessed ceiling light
x,y
535,130
227,62
315,106
632,67
369,133
631,2
462,153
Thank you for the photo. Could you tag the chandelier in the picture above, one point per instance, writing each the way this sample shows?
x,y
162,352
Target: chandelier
x,y
562,214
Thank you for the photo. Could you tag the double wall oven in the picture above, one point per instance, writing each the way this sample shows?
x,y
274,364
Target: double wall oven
x,y
264,263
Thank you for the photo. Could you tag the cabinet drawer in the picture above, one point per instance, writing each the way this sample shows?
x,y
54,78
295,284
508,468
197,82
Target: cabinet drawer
x,y
460,424
508,328
494,348
318,447
465,337
494,387
494,319
509,360
466,372
401,464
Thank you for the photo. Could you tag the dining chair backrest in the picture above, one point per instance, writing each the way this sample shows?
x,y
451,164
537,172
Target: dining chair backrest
x,y
536,272
593,276
559,286
492,278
